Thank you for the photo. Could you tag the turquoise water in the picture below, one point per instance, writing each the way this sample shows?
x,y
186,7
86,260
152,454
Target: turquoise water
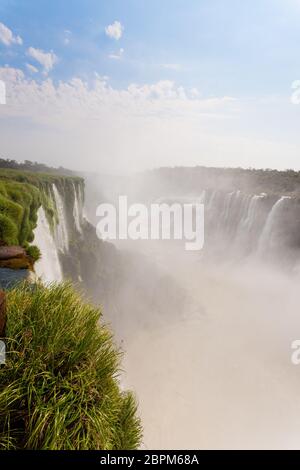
x,y
10,277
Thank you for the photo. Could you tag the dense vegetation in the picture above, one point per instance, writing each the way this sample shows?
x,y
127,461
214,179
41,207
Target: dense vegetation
x,y
59,388
28,165
195,179
21,194
18,212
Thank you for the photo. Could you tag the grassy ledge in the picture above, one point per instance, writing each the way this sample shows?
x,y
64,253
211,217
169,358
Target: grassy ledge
x,y
21,194
59,388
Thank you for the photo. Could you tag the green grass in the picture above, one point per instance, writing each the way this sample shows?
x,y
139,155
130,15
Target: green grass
x,y
18,207
59,388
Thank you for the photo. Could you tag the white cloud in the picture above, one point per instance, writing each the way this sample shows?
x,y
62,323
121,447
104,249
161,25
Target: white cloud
x,y
46,59
101,78
162,96
117,55
195,93
32,68
138,126
7,37
67,37
174,67
153,124
114,30
100,127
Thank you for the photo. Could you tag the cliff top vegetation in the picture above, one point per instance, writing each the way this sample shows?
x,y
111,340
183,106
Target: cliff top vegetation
x,y
59,387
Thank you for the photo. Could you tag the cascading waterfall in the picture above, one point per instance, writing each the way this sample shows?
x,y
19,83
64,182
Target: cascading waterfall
x,y
243,223
53,242
48,267
268,234
77,209
227,205
61,230
248,223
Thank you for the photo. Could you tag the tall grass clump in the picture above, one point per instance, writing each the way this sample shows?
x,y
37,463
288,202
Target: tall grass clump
x,y
59,387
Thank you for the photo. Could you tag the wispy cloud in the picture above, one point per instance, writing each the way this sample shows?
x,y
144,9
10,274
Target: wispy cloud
x,y
46,59
153,124
67,37
7,37
31,68
114,30
118,55
131,121
175,67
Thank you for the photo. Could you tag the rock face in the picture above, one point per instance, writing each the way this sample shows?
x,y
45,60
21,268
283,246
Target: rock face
x,y
2,313
17,263
9,252
14,257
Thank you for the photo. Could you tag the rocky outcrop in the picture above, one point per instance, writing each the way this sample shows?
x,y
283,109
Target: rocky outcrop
x,y
9,252
15,257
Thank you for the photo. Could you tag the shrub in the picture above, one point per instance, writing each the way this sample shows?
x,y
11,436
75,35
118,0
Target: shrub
x,y
34,252
59,388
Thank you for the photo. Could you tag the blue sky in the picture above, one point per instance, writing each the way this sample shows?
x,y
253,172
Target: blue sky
x,y
219,46
240,49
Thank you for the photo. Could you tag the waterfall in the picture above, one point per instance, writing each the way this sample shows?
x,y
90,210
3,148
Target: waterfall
x,y
77,209
53,242
48,267
227,204
61,230
268,234
248,221
235,220
202,197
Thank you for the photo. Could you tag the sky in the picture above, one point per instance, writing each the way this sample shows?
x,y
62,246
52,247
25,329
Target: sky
x,y
125,85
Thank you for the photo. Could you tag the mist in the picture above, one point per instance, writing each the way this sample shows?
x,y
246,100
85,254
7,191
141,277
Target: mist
x,y
209,356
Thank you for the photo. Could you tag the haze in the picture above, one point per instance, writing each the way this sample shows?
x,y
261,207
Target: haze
x,y
129,85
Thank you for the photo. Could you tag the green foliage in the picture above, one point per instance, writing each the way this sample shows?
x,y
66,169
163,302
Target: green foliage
x,y
21,195
19,203
59,388
8,230
254,181
34,252
11,209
